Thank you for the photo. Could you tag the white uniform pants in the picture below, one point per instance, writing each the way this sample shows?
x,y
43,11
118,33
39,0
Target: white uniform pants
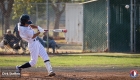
x,y
36,49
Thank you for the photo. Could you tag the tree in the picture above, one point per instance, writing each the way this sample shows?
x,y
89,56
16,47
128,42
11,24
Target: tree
x,y
56,6
6,8
23,6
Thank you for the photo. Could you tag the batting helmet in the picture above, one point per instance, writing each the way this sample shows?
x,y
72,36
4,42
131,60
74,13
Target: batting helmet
x,y
25,19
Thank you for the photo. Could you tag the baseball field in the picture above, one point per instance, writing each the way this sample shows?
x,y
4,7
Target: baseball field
x,y
80,66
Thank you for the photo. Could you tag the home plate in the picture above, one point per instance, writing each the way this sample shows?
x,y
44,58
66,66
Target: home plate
x,y
25,75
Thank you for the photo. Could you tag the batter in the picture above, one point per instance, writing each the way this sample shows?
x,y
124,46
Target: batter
x,y
26,32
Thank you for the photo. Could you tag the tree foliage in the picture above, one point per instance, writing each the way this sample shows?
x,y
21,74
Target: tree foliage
x,y
24,6
19,8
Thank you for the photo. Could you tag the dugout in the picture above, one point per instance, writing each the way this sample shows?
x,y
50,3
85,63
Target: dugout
x,y
124,25
104,25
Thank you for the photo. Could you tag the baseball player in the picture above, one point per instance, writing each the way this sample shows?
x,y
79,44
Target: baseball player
x,y
26,32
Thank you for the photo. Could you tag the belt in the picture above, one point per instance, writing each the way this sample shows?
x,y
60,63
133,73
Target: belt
x,y
35,39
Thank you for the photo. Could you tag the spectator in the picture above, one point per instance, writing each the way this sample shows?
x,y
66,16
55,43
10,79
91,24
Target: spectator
x,y
41,41
51,42
16,31
11,40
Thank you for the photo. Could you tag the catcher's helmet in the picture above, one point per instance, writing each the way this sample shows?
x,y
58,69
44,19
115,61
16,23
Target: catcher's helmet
x,y
24,19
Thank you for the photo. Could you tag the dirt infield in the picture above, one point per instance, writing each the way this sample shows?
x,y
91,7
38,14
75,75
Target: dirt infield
x,y
78,73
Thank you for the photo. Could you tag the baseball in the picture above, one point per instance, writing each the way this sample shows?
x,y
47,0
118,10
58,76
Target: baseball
x,y
126,6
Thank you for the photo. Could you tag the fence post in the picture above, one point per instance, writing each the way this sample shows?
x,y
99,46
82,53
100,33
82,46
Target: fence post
x,y
36,13
134,25
108,23
131,25
47,9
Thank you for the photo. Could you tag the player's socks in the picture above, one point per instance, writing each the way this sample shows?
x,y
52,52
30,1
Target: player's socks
x,y
48,66
26,65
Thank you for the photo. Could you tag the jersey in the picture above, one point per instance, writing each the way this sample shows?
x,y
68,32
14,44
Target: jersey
x,y
26,33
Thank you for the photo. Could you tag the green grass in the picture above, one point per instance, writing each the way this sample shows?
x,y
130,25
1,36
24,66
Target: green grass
x,y
76,60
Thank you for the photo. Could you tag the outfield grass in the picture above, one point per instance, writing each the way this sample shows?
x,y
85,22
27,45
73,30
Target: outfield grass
x,y
76,60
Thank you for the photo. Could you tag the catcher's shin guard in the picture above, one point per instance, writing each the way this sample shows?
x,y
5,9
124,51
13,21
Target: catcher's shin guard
x,y
48,66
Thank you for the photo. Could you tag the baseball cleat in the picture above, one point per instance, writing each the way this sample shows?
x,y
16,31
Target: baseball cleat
x,y
52,74
18,70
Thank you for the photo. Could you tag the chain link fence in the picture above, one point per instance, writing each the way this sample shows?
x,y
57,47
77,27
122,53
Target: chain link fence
x,y
124,25
44,15
92,26
95,26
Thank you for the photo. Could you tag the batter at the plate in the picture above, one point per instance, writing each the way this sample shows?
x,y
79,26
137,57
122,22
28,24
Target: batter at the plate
x,y
36,49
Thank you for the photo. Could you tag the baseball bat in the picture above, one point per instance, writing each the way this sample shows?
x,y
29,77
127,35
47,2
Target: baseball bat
x,y
58,30
41,29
